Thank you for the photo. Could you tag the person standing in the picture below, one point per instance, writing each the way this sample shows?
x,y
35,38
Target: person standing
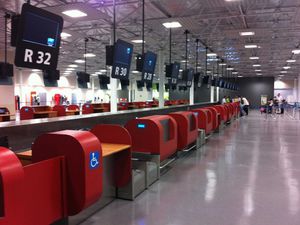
x,y
280,103
246,104
224,100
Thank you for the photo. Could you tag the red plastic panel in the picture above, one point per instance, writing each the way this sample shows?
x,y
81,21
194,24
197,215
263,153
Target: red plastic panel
x,y
117,135
151,138
12,178
87,109
186,133
73,107
221,109
204,119
80,149
61,110
43,192
26,113
215,118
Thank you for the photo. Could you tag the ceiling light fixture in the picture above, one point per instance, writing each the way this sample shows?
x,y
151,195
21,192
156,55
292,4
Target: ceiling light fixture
x,y
89,55
250,46
64,35
79,61
290,60
103,71
135,71
73,66
173,24
230,69
138,41
296,51
257,70
240,76
211,54
247,33
283,71
256,65
254,57
222,64
259,74
286,67
70,69
74,13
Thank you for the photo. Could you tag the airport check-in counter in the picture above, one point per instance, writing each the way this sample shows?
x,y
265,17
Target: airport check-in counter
x,y
187,129
216,118
204,119
154,143
87,108
58,183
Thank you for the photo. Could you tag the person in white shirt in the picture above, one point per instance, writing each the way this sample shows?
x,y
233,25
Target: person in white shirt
x,y
245,104
224,100
280,103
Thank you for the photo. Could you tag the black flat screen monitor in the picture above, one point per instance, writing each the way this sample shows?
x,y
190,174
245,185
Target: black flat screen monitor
x,y
140,84
122,60
149,64
38,38
124,84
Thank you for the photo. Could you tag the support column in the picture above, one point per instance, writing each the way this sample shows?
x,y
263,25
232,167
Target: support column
x,y
161,79
212,94
218,94
192,92
113,83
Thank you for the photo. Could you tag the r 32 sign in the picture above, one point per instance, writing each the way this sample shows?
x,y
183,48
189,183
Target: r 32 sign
x,y
40,57
148,76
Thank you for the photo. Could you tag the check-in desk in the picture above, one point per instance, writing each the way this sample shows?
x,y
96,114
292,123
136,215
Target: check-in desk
x,y
187,129
204,120
37,112
154,143
60,182
87,109
216,118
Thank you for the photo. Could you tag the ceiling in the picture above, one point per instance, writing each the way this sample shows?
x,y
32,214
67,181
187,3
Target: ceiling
x,y
216,23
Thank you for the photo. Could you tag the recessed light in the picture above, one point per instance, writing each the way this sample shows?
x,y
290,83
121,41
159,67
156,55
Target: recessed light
x,y
135,71
138,41
73,66
79,61
74,13
257,70
283,71
35,70
251,46
240,76
235,73
211,54
208,72
296,51
222,64
256,65
247,33
64,35
254,57
103,71
259,74
89,55
286,67
70,69
230,69
184,61
173,24
291,61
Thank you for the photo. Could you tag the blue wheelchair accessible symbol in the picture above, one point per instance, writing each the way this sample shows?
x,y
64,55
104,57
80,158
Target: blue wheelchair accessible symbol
x,y
94,160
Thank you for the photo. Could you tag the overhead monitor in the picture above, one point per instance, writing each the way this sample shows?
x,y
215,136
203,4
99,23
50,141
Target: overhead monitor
x,y
104,81
122,60
124,84
198,79
82,79
38,38
140,84
149,64
51,77
6,70
187,76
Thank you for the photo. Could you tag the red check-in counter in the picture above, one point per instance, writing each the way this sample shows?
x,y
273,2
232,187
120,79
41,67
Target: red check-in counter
x,y
64,178
223,112
216,118
187,128
156,135
204,119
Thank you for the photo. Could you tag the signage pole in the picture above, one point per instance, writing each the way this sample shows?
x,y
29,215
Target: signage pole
x,y
113,82
161,79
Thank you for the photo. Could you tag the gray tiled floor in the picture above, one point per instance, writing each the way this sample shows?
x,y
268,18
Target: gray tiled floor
x,y
250,176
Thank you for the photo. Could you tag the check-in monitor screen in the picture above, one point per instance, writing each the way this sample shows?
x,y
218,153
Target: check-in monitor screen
x,y
40,30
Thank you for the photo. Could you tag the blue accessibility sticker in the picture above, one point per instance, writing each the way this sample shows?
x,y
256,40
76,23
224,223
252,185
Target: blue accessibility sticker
x,y
94,160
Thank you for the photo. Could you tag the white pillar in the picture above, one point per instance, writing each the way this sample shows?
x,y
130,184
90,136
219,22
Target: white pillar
x,y
218,94
212,94
113,85
161,79
192,93
298,89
